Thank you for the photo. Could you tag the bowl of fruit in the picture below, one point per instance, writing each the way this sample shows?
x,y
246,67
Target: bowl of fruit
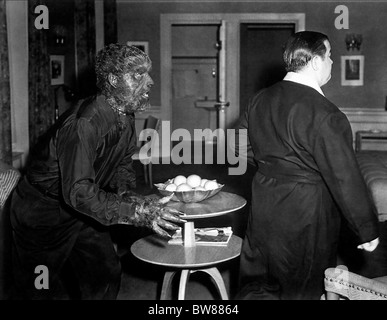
x,y
188,189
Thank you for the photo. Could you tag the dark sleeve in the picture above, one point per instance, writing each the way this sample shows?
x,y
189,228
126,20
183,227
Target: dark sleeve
x,y
124,178
336,160
241,144
77,145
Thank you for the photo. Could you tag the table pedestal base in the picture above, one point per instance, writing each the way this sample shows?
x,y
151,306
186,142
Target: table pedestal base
x,y
184,277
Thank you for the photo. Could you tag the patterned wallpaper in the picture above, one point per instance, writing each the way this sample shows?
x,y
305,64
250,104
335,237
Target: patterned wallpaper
x,y
5,95
40,108
84,16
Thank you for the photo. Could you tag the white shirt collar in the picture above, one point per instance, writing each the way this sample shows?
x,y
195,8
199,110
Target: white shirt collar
x,y
303,79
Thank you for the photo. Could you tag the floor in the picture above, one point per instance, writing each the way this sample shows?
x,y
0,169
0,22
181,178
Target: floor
x,y
142,281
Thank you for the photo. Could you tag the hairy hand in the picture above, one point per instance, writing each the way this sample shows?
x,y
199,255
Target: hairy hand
x,y
152,213
163,218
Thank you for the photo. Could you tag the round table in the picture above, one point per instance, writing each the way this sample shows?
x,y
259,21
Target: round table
x,y
189,257
187,260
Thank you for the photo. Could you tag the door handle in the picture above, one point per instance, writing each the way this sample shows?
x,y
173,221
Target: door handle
x,y
222,104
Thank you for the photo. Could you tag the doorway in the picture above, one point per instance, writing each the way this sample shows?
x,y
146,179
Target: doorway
x,y
228,75
261,63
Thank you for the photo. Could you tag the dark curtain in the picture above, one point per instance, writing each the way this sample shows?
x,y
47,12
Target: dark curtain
x,y
41,110
110,21
5,91
84,17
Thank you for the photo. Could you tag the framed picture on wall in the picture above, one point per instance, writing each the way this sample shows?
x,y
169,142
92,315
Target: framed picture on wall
x,y
142,45
352,70
57,69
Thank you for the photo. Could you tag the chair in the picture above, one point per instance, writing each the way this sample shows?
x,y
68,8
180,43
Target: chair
x,y
149,132
341,284
8,180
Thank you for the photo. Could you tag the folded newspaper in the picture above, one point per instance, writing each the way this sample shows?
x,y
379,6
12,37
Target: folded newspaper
x,y
206,236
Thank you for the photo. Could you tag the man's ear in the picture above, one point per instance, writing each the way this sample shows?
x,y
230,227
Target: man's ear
x,y
316,61
112,80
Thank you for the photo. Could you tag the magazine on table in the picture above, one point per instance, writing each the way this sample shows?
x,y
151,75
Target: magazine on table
x,y
206,236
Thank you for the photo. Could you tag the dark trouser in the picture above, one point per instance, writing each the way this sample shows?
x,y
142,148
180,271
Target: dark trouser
x,y
291,238
45,234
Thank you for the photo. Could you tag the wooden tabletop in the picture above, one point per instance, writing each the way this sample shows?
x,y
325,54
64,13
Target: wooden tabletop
x,y
156,250
219,204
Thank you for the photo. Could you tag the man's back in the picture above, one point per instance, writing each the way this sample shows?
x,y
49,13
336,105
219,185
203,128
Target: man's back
x,y
285,121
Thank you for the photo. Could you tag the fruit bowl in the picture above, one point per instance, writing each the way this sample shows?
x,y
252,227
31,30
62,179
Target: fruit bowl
x,y
187,196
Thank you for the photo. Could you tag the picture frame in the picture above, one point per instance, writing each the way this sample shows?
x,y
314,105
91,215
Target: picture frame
x,y
57,68
352,70
142,45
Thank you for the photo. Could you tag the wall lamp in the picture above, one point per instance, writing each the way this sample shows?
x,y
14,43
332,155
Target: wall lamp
x,y
353,41
60,34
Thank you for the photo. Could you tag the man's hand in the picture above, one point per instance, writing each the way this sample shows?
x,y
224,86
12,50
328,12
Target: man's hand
x,y
369,246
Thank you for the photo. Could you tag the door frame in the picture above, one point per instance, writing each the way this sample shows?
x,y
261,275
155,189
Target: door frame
x,y
233,22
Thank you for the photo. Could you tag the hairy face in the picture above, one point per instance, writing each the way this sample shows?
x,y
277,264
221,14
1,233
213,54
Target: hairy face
x,y
123,77
132,90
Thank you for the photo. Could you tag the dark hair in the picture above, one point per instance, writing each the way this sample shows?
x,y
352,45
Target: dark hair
x,y
118,59
302,47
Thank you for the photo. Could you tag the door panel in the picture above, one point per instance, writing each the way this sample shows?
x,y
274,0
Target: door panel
x,y
194,77
194,83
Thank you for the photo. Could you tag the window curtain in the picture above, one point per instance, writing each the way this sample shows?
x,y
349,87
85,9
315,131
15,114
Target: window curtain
x,y
5,93
41,110
84,16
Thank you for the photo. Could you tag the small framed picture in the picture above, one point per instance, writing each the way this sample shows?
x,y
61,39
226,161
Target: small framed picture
x,y
57,69
142,45
352,70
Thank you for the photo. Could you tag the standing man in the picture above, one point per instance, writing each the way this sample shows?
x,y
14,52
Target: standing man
x,y
78,184
307,177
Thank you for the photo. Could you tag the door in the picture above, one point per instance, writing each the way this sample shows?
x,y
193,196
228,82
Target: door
x,y
261,62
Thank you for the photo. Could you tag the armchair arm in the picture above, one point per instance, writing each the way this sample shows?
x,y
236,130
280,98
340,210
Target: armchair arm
x,y
352,286
9,178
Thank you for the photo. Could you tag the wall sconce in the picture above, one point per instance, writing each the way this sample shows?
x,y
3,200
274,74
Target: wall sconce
x,y
59,35
353,41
